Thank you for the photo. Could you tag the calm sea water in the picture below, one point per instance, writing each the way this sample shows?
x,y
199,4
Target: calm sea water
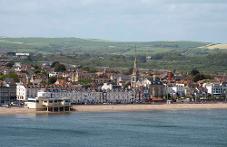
x,y
206,128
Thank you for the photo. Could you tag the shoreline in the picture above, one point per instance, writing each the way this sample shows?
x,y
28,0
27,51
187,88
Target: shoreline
x,y
147,107
119,108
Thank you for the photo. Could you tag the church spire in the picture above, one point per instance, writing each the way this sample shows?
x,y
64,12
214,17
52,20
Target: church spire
x,y
135,70
135,73
135,67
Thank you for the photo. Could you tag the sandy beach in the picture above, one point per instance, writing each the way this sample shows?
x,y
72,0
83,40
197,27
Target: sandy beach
x,y
120,108
146,107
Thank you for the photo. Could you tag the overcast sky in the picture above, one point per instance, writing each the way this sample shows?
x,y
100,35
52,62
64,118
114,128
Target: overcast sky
x,y
118,20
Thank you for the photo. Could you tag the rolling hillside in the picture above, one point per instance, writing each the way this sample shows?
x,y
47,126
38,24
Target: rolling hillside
x,y
93,46
179,55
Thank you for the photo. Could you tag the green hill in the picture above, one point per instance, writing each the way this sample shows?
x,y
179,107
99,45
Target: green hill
x,y
92,46
180,55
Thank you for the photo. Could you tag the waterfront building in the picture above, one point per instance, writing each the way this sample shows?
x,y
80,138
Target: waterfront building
x,y
214,88
24,91
146,82
83,96
176,89
7,93
45,102
157,89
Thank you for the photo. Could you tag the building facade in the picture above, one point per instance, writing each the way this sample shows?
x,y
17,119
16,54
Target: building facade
x,y
7,93
214,89
97,97
23,92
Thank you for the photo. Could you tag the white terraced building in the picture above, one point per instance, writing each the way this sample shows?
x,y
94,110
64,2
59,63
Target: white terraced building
x,y
94,97
23,92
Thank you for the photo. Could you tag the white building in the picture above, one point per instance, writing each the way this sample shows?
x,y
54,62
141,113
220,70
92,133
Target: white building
x,y
49,104
214,89
22,54
93,97
106,87
23,92
53,74
17,66
146,82
45,102
179,89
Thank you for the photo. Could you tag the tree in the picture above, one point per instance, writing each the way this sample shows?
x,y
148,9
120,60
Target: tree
x,y
198,77
10,64
60,68
52,80
194,72
37,69
89,69
54,64
129,72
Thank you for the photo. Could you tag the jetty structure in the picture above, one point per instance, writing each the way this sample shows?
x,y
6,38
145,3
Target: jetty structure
x,y
45,102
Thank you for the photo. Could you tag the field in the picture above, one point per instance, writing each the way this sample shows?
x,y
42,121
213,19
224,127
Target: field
x,y
91,46
218,46
179,55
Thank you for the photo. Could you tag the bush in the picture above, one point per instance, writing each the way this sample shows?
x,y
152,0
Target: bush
x,y
85,82
11,76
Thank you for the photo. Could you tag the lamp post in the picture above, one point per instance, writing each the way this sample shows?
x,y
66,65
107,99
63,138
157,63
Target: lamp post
x,y
225,95
167,94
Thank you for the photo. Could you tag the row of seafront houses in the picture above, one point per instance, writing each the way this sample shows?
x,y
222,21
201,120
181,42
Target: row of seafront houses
x,y
60,99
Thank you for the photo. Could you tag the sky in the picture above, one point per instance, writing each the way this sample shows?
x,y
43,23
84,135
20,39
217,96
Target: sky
x,y
116,20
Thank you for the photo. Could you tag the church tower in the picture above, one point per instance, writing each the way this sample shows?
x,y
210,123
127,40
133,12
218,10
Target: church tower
x,y
135,74
75,76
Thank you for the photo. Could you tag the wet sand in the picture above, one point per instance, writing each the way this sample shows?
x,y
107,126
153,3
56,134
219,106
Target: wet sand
x,y
18,110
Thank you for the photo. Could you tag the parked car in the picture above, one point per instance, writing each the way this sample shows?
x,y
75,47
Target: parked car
x,y
5,105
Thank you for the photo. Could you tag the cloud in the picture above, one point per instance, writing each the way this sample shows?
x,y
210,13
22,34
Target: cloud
x,y
116,19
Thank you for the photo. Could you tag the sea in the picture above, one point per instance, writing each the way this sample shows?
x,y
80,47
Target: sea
x,y
188,128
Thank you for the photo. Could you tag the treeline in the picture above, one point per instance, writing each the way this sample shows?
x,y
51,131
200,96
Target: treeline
x,y
213,63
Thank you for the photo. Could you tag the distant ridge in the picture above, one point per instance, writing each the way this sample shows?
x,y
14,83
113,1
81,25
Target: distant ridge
x,y
93,46
179,55
217,46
